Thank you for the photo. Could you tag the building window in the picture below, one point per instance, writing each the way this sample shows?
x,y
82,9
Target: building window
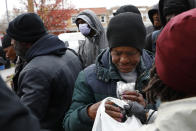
x,y
103,19
73,19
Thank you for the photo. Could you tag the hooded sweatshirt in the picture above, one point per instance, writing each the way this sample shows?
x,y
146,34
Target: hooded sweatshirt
x,y
92,46
46,82
153,10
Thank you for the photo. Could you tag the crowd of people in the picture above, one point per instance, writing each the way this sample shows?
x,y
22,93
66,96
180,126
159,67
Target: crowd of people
x,y
57,89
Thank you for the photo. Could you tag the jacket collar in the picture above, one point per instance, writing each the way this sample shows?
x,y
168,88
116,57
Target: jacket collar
x,y
106,71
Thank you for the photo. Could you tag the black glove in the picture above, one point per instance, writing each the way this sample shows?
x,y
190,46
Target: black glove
x,y
134,108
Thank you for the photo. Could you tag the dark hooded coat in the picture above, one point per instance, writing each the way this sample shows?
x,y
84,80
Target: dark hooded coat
x,y
15,116
46,82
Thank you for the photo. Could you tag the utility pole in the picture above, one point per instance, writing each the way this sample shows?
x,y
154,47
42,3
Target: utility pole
x,y
30,6
7,11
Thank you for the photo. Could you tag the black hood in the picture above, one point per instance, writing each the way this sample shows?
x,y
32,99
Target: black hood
x,y
174,3
127,8
47,45
153,10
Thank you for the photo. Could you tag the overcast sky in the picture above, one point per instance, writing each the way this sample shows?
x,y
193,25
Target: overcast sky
x,y
85,3
110,3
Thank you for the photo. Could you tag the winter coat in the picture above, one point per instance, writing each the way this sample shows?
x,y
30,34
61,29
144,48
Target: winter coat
x,y
151,38
177,115
15,116
92,46
18,68
151,41
97,82
46,83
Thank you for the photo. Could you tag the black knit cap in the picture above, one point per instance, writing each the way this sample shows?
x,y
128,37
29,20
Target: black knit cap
x,y
175,6
127,8
6,41
126,29
26,27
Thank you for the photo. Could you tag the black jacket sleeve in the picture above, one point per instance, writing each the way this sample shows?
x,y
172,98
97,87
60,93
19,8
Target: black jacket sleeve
x,y
13,115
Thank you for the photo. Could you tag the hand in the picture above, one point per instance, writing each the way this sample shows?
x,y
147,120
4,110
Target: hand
x,y
113,111
138,110
134,96
92,110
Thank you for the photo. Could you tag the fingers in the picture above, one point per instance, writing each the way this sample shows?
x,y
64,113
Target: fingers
x,y
130,97
92,110
134,93
113,111
134,96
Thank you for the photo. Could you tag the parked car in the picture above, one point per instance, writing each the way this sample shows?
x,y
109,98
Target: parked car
x,y
72,39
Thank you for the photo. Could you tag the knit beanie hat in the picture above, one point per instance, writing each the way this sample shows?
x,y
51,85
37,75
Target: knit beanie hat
x,y
175,58
126,29
175,6
127,8
6,41
27,27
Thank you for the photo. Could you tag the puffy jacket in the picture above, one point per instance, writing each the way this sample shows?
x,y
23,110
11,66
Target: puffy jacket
x,y
46,83
97,82
92,46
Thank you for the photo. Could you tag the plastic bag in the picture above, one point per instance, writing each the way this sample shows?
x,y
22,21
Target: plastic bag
x,y
103,122
122,87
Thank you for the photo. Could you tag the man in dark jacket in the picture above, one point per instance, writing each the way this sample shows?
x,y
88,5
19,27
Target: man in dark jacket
x,y
15,116
168,9
95,39
46,82
154,17
124,61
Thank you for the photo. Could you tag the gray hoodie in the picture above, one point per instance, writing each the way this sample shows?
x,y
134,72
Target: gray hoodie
x,y
92,46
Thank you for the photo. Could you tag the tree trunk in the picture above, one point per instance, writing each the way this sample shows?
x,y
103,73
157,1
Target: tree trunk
x,y
30,6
